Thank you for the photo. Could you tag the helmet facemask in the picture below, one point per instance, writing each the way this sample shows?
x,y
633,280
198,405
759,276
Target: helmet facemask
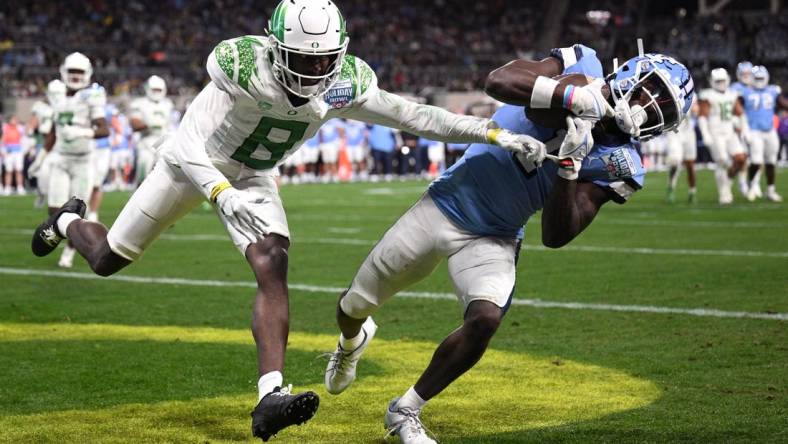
x,y
288,61
155,88
645,106
76,71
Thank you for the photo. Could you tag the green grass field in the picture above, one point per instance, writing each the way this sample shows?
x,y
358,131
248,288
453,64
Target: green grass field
x,y
150,359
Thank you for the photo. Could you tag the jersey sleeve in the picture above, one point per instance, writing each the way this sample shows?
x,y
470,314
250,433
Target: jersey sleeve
x,y
232,66
619,170
96,100
578,59
186,148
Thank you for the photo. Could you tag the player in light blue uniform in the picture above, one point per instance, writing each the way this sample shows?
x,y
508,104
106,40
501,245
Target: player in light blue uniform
x,y
475,212
760,102
356,134
743,77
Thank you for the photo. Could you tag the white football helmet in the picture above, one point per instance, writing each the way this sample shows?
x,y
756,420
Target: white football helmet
x,y
155,88
760,76
76,71
303,32
56,91
720,80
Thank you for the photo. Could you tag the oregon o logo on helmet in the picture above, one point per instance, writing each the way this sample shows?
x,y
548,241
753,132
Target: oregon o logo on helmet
x,y
315,44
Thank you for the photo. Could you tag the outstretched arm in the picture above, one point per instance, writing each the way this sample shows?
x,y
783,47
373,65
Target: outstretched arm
x,y
571,207
513,83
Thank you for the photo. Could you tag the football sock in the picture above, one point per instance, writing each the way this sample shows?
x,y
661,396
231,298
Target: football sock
x,y
692,190
92,216
268,382
64,221
352,343
771,189
411,400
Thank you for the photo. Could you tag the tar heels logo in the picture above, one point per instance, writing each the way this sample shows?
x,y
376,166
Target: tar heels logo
x,y
340,95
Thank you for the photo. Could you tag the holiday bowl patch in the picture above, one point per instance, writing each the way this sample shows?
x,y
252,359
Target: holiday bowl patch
x,y
340,95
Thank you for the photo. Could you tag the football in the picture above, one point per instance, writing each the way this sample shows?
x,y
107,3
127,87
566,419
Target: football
x,y
555,118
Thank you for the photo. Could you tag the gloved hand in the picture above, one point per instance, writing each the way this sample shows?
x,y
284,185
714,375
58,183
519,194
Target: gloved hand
x,y
587,101
522,145
243,211
69,133
575,147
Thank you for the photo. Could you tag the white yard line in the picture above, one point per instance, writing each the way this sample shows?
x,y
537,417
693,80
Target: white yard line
x,y
528,247
702,312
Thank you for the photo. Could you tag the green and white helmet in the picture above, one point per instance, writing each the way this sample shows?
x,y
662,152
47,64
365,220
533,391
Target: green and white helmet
x,y
155,88
307,28
76,71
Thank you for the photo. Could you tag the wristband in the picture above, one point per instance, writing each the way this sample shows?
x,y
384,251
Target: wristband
x,y
569,93
542,92
492,135
218,189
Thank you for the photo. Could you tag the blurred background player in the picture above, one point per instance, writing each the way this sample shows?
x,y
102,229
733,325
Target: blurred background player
x,y
682,149
101,161
760,101
356,144
79,119
14,156
331,135
310,154
121,155
40,124
743,81
382,143
718,105
150,116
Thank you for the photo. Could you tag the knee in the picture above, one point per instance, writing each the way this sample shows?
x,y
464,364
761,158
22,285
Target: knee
x,y
483,324
103,268
270,261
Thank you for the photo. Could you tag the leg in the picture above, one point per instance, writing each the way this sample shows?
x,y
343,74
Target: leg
x,y
461,350
270,315
406,254
772,146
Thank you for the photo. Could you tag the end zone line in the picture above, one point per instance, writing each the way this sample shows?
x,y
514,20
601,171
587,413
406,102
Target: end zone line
x,y
702,312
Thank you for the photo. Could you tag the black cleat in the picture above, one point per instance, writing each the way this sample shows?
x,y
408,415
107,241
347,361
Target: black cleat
x,y
47,236
280,409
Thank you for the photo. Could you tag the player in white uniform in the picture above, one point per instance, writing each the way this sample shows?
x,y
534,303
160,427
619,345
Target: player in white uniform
x,y
331,134
682,149
79,118
150,116
718,106
267,95
356,144
42,122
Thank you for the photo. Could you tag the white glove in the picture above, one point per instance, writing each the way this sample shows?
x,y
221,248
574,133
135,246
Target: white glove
x,y
35,167
243,211
522,145
575,147
588,102
69,133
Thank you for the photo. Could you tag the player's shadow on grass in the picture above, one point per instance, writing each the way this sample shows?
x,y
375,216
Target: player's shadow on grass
x,y
46,375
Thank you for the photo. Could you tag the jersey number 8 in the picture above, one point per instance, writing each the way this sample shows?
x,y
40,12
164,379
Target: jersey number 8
x,y
275,150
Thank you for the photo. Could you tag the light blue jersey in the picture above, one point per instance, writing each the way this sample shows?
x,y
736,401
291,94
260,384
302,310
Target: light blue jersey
x,y
759,107
381,138
739,88
313,142
103,142
355,133
329,132
489,192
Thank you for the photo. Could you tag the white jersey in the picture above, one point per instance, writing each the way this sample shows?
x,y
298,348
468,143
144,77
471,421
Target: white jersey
x,y
44,114
80,110
721,111
155,115
244,119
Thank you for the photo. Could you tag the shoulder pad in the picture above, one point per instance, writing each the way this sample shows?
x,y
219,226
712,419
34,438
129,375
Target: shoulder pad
x,y
355,79
236,59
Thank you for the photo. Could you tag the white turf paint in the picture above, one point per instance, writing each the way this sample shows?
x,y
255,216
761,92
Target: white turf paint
x,y
528,247
702,312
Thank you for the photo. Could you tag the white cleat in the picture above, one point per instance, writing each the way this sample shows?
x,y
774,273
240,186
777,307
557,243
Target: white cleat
x,y
341,370
66,258
773,196
405,423
726,197
751,194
